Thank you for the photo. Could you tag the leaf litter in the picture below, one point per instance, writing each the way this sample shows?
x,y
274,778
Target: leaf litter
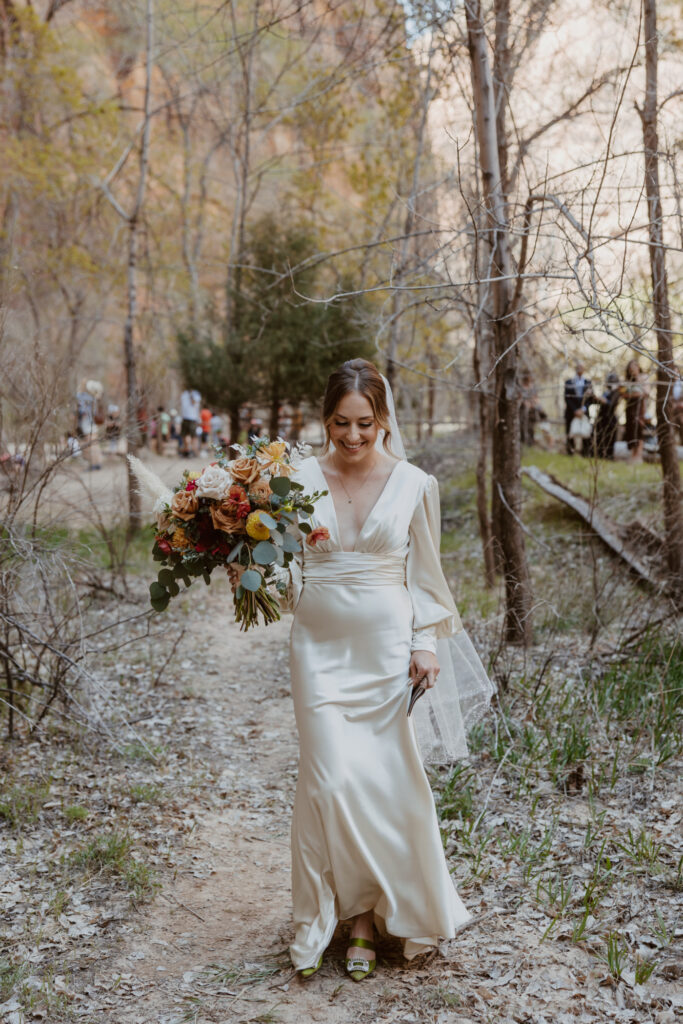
x,y
151,883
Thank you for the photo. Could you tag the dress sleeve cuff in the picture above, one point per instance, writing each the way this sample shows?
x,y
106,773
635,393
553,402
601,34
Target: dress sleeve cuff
x,y
424,640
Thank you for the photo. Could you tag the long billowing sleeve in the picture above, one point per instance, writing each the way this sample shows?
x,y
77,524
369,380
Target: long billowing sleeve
x,y
434,612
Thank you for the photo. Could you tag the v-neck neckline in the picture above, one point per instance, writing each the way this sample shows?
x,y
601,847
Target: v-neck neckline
x,y
367,518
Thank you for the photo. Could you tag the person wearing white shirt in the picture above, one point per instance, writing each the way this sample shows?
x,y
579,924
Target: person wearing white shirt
x,y
190,408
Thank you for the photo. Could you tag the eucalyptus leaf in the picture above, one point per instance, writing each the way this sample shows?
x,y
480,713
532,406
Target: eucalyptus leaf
x,y
280,485
276,538
161,604
251,580
290,543
157,591
235,551
173,588
165,577
305,527
268,521
264,553
296,486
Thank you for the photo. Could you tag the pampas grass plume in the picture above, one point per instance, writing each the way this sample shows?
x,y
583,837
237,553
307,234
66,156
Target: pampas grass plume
x,y
149,481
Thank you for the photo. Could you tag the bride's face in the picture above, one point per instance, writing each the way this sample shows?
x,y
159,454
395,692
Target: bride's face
x,y
353,428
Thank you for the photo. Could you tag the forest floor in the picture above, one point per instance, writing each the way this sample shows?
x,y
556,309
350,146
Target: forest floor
x,y
146,872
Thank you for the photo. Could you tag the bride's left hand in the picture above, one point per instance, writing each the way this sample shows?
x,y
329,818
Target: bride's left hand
x,y
424,668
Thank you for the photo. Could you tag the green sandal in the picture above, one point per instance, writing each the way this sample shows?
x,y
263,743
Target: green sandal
x,y
308,972
358,967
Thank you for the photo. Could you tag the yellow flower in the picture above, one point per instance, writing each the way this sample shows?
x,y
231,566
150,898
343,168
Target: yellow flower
x,y
255,528
180,540
194,475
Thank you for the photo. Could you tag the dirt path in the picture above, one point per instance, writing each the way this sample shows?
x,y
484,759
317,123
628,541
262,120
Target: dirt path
x,y
212,946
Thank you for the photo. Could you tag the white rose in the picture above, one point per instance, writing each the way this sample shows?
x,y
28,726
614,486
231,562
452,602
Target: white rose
x,y
213,483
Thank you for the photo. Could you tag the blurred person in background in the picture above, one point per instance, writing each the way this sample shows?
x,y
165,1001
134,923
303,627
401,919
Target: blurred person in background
x,y
530,411
163,429
112,429
635,390
190,409
607,425
205,420
578,394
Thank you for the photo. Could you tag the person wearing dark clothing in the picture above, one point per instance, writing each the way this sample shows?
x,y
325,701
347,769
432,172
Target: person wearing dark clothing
x,y
578,394
636,392
606,424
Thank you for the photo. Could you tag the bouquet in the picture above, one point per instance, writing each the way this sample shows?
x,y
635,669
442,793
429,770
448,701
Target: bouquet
x,y
241,514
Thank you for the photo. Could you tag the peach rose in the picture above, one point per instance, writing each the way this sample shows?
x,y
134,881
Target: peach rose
x,y
244,471
260,492
318,534
224,518
184,505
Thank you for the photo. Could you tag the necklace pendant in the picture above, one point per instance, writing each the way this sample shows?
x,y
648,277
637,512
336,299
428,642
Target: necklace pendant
x,y
350,501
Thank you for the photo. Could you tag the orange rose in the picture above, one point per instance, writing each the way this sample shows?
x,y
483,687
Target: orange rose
x,y
318,534
244,471
224,519
184,505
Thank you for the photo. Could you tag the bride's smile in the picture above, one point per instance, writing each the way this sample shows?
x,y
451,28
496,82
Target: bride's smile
x,y
353,429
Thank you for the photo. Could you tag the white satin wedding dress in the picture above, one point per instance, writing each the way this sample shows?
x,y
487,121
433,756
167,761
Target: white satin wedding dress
x,y
365,834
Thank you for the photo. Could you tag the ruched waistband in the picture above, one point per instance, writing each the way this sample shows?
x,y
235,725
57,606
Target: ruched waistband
x,y
354,568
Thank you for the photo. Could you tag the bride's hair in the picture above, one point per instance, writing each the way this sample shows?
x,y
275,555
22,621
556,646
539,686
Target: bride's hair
x,y
362,376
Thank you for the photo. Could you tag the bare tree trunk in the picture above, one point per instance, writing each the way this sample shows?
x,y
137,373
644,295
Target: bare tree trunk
x,y
431,392
673,525
507,448
481,358
132,389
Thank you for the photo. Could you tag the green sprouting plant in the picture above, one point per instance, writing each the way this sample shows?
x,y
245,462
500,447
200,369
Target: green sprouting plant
x,y
644,695
145,793
20,805
474,845
75,812
113,853
661,931
644,969
554,893
642,850
456,797
615,954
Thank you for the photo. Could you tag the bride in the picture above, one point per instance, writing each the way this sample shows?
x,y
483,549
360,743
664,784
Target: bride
x,y
371,613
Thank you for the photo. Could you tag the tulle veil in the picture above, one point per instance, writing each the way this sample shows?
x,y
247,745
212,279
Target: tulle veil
x,y
463,692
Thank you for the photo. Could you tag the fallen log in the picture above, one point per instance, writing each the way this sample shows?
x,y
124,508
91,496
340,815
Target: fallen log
x,y
612,534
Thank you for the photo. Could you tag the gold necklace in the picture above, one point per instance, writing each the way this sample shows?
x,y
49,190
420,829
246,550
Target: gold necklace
x,y
363,482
